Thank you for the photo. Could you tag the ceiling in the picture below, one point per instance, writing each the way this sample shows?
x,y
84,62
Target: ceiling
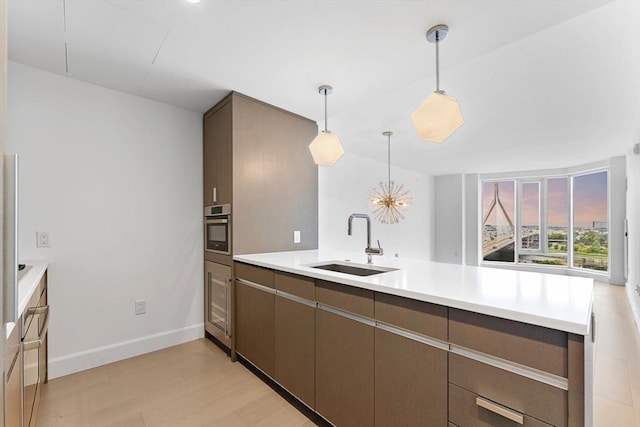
x,y
541,84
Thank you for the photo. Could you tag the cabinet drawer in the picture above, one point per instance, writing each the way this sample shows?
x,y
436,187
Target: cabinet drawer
x,y
534,346
536,399
345,297
465,410
293,284
36,300
261,276
417,316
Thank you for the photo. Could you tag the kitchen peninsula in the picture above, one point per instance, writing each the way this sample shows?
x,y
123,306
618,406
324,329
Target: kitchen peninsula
x,y
425,343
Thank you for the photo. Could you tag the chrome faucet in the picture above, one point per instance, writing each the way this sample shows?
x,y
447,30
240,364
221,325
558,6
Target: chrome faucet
x,y
368,250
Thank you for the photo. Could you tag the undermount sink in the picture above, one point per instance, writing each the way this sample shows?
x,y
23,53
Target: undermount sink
x,y
353,269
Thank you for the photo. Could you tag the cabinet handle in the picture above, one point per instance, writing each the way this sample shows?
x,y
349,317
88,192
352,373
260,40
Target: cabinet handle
x,y
37,343
42,309
215,194
500,410
227,323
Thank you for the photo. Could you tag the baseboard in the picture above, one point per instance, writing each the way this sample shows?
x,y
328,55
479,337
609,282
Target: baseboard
x,y
76,362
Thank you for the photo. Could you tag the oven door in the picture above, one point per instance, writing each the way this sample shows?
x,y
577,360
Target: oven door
x,y
217,234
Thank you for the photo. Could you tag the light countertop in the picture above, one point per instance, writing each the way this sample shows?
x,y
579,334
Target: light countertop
x,y
27,285
549,300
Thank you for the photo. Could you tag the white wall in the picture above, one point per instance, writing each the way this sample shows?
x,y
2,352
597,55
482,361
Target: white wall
x,y
471,238
344,189
449,210
633,218
117,182
617,211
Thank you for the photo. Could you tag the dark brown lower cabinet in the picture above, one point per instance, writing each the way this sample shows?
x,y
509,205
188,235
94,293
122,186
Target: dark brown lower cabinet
x,y
410,382
295,348
344,370
524,395
255,326
467,409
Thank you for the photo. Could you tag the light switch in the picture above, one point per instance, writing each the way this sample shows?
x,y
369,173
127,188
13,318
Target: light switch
x,y
296,236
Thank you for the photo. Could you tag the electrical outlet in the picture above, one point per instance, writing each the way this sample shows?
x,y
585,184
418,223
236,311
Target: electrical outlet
x,y
141,306
296,236
42,239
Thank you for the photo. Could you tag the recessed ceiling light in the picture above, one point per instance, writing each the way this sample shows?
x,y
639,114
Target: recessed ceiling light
x,y
194,1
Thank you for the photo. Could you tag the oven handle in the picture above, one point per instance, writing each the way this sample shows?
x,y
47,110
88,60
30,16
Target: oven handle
x,y
37,343
217,221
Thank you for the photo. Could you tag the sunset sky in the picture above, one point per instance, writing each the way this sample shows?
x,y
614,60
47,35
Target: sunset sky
x,y
590,200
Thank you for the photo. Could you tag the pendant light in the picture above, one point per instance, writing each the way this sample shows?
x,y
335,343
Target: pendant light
x,y
326,148
439,115
389,199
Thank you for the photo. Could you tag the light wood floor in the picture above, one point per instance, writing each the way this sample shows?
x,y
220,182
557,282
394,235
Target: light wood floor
x,y
617,360
195,384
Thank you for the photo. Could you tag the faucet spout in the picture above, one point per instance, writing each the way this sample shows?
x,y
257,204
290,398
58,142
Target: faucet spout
x,y
350,226
368,250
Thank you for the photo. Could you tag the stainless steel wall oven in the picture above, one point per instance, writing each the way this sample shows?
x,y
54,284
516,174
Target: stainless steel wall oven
x,y
217,229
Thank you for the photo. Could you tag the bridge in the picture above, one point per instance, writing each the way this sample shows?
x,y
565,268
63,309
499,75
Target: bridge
x,y
495,245
502,240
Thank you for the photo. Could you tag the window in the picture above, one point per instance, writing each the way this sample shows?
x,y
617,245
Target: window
x,y
557,211
590,223
536,213
530,216
498,232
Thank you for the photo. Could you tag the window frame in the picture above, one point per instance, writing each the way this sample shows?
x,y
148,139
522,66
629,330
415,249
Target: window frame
x,y
542,180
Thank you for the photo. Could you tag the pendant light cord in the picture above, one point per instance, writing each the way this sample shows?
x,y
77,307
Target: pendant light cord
x,y
437,62
325,111
389,162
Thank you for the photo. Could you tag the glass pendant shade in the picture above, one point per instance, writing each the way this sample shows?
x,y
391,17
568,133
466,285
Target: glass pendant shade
x,y
437,117
326,149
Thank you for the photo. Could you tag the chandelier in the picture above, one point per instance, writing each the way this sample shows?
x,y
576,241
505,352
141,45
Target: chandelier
x,y
389,199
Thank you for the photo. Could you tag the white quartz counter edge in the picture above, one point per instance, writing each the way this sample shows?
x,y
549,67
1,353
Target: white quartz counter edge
x,y
27,285
554,301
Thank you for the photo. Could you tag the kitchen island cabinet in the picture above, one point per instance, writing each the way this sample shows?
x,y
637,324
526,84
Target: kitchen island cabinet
x,y
344,354
295,336
435,344
411,362
255,322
